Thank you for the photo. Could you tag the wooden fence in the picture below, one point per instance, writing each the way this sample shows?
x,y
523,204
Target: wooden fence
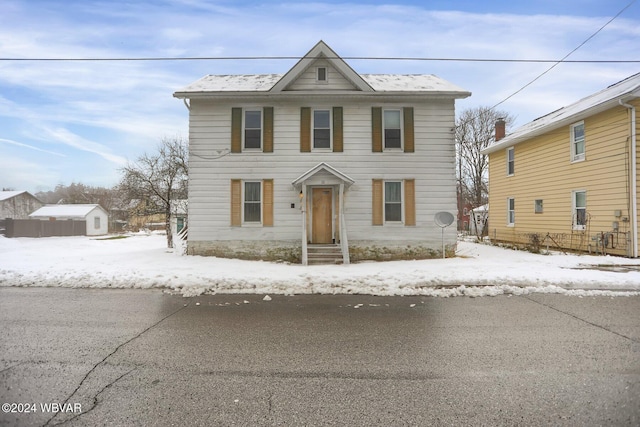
x,y
39,228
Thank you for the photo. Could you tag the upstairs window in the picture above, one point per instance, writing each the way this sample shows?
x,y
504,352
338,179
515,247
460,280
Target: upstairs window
x,y
322,129
392,129
577,142
510,161
252,129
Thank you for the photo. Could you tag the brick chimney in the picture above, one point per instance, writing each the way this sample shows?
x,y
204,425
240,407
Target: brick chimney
x,y
500,129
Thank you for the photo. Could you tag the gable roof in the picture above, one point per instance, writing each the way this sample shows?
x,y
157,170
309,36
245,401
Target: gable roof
x,y
603,100
5,195
321,50
66,210
370,84
320,167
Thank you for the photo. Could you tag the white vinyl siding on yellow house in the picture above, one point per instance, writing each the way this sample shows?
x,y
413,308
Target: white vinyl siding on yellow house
x,y
583,200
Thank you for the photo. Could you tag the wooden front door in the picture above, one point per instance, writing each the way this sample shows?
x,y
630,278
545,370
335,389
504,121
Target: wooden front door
x,y
322,224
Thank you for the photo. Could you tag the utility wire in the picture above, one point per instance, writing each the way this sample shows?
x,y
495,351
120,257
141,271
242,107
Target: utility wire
x,y
368,58
566,56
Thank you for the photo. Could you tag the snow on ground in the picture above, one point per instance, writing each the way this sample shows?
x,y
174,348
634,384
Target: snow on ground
x,y
143,261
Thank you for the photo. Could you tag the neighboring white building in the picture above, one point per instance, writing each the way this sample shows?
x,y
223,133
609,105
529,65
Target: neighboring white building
x,y
96,217
17,204
478,218
320,155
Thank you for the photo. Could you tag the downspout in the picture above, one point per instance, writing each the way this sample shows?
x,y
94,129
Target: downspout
x,y
186,104
634,179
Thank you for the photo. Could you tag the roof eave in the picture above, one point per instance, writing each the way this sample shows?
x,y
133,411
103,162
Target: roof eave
x,y
293,94
510,141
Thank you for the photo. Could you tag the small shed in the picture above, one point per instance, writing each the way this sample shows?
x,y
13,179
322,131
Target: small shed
x,y
96,217
478,220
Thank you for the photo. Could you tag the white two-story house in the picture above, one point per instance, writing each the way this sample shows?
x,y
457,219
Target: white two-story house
x,y
320,157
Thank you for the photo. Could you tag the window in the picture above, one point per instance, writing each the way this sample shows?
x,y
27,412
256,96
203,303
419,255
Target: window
x,y
577,142
252,201
392,126
392,130
393,201
252,129
538,206
510,161
579,210
321,75
322,129
96,222
511,211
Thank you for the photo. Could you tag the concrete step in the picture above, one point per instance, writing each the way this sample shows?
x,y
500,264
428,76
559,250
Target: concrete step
x,y
324,254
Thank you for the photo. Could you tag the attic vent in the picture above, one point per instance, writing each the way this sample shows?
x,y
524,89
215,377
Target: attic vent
x,y
321,74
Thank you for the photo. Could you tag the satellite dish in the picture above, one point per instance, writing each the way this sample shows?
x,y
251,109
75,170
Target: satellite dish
x,y
443,220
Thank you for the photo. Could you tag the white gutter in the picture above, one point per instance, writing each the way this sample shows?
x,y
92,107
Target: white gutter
x,y
634,178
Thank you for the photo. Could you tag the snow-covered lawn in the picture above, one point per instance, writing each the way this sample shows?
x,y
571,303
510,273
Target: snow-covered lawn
x,y
143,261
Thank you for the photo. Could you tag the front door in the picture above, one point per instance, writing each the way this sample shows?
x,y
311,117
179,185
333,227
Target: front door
x,y
321,227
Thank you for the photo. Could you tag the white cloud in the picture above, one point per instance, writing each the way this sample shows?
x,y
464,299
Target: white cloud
x,y
117,110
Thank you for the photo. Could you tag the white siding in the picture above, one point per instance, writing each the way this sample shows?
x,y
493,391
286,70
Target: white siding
x,y
432,165
307,80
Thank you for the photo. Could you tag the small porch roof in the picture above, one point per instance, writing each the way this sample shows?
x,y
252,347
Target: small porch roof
x,y
322,167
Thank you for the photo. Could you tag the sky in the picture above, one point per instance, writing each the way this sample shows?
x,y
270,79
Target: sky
x,y
81,121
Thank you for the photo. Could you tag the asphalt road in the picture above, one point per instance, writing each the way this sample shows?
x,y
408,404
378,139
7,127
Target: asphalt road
x,y
82,357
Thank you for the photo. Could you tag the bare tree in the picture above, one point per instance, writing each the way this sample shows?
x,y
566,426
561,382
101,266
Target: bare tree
x,y
160,178
475,130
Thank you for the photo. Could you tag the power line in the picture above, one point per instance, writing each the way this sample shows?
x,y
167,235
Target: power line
x,y
367,58
563,60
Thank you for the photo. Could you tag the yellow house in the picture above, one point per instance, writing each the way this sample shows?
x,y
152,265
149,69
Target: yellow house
x,y
569,179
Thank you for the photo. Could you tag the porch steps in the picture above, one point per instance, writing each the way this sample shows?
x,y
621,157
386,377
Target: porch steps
x,y
324,254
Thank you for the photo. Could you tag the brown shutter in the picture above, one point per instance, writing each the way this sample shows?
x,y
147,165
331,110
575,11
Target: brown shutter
x,y
305,130
409,140
267,206
376,129
410,202
267,146
236,130
338,145
236,203
378,203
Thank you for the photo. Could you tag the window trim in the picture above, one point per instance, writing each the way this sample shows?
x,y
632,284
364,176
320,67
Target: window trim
x,y
577,157
511,213
400,112
244,128
574,210
96,222
244,201
511,161
384,201
313,128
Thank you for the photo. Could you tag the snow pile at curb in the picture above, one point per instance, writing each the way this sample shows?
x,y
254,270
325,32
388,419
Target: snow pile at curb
x,y
143,261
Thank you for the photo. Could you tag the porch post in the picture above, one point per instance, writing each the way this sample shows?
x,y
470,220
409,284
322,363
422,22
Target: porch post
x,y
303,212
344,242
